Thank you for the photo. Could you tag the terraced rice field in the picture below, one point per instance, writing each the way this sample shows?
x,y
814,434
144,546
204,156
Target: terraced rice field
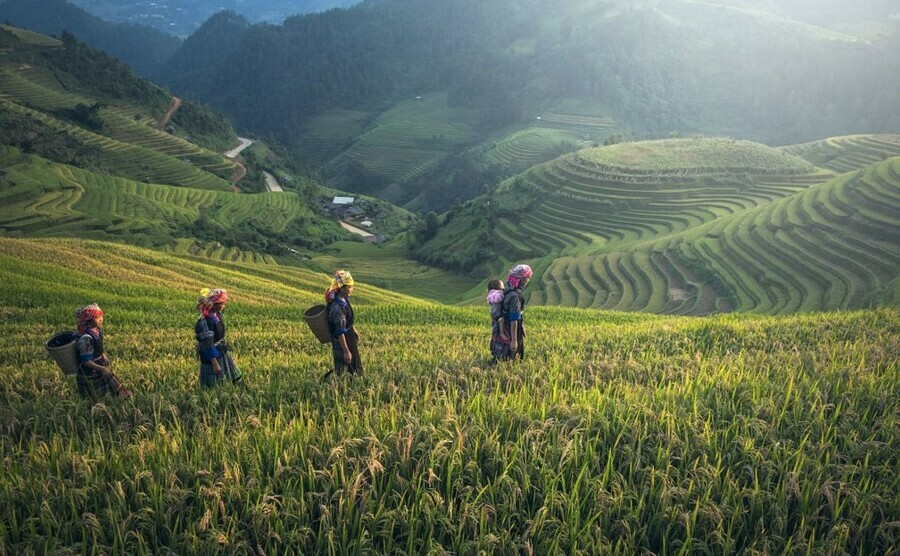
x,y
641,229
132,145
323,136
133,161
32,87
553,132
586,126
833,246
848,153
40,198
531,146
412,137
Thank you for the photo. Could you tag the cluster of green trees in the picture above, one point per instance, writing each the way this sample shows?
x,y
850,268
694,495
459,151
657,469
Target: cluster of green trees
x,y
34,137
204,126
257,234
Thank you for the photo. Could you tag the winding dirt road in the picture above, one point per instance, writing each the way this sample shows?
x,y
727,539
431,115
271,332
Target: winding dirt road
x,y
173,106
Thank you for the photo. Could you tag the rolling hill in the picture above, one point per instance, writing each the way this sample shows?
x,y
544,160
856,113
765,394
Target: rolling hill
x,y
695,226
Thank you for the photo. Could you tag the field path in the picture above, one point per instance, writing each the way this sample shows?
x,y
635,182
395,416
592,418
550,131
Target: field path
x,y
173,106
239,172
355,230
272,183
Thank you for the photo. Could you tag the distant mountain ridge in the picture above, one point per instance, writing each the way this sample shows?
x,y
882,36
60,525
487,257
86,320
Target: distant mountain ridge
x,y
145,49
183,17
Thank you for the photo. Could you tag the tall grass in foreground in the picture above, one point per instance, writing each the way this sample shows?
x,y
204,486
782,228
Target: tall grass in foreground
x,y
619,433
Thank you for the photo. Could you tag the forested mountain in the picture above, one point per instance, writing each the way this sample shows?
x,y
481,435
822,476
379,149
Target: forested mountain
x,y
183,17
143,48
650,67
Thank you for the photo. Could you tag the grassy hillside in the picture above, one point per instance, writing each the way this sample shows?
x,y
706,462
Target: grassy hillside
x,y
53,89
619,434
83,155
41,198
833,246
652,227
403,143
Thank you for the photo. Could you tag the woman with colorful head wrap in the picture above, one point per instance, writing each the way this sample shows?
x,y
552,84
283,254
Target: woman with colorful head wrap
x,y
511,308
212,348
93,377
341,321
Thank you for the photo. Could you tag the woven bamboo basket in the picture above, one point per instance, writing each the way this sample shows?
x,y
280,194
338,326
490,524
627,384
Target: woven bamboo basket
x,y
61,348
317,320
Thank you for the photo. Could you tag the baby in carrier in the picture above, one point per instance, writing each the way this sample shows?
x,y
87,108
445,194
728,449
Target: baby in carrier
x,y
499,336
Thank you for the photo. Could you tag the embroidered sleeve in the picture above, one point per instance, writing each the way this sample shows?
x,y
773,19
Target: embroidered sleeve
x,y
512,307
205,339
337,320
85,348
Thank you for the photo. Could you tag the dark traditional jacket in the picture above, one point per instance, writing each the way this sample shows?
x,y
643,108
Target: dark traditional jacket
x,y
209,331
90,348
340,319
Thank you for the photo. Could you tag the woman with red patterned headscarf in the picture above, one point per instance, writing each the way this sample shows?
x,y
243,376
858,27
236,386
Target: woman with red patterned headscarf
x,y
212,349
93,377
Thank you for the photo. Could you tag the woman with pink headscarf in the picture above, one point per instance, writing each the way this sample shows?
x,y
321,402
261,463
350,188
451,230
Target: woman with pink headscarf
x,y
512,307
212,349
93,377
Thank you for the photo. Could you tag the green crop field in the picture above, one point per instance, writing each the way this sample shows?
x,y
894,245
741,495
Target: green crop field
x,y
412,137
848,153
565,128
41,198
619,434
832,246
149,164
700,226
125,133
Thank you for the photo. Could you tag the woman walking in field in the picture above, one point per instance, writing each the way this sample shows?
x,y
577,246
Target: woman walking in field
x,y
512,308
341,321
93,377
212,349
499,340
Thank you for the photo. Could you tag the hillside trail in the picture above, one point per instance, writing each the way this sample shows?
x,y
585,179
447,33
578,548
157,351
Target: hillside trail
x,y
239,170
272,183
173,106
